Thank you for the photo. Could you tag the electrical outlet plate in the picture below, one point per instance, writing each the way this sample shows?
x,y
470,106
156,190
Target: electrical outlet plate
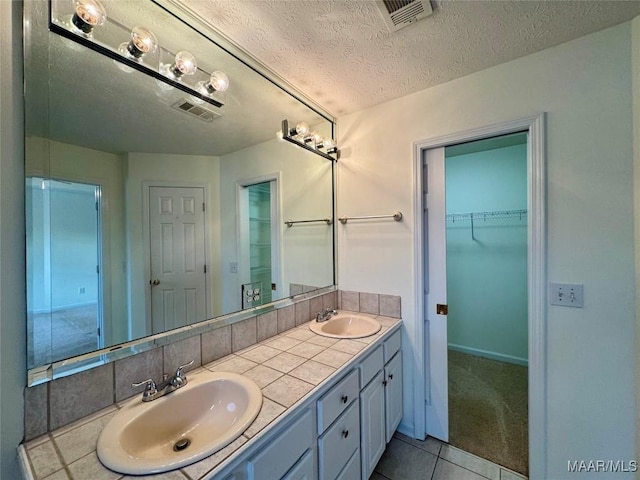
x,y
567,294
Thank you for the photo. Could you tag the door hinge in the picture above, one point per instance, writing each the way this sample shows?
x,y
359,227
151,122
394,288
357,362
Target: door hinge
x,y
203,206
98,331
273,286
205,269
442,308
98,269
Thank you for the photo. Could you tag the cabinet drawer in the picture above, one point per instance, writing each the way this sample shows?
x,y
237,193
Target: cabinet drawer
x,y
284,451
352,470
371,365
303,470
392,345
339,442
333,403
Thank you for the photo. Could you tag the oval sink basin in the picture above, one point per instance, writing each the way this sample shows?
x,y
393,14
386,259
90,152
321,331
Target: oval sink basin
x,y
346,325
182,427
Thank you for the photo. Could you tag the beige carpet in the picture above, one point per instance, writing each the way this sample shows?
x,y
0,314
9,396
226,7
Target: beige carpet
x,y
488,410
62,334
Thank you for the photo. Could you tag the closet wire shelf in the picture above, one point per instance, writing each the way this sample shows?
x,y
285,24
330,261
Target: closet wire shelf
x,y
482,217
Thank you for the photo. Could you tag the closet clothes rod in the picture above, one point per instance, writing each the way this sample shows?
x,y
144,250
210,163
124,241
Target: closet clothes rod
x,y
289,223
397,216
484,216
453,217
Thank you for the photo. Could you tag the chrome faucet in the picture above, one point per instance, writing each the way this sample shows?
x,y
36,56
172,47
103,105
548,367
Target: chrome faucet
x,y
168,385
326,315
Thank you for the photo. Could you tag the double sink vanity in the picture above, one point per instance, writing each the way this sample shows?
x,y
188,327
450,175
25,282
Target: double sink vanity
x,y
328,418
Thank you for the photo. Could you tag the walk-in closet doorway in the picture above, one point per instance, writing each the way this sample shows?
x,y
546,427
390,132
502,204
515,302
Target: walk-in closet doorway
x,y
481,288
486,271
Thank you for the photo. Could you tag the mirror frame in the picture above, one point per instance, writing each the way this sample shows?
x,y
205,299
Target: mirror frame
x,y
63,368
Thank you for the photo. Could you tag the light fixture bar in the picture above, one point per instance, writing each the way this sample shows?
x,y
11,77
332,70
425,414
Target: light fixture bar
x,y
286,135
141,67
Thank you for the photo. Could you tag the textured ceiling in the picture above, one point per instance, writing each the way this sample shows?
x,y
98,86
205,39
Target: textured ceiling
x,y
340,53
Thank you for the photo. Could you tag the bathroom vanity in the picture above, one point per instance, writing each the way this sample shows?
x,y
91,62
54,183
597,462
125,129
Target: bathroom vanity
x,y
328,417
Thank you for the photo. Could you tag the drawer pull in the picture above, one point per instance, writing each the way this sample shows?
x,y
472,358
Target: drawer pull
x,y
345,433
344,398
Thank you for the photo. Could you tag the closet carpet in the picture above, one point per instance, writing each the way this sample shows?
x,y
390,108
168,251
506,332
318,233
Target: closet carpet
x,y
488,410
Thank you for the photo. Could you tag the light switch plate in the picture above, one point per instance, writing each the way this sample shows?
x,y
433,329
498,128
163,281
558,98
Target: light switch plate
x,y
567,294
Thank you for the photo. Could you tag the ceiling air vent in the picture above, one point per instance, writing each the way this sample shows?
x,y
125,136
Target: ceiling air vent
x,y
192,108
398,14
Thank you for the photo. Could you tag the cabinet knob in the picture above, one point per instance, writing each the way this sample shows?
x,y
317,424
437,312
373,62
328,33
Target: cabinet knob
x,y
345,433
344,399
384,382
391,376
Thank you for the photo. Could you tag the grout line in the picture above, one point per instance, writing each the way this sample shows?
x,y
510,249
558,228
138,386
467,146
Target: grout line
x,y
465,468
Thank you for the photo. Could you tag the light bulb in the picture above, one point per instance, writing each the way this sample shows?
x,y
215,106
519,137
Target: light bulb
x,y
218,82
329,144
184,64
316,138
143,41
87,15
301,129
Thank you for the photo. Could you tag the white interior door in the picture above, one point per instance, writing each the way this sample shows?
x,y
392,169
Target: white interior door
x,y
435,255
177,247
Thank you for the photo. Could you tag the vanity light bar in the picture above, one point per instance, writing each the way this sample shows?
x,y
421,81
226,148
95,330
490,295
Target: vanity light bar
x,y
289,136
142,42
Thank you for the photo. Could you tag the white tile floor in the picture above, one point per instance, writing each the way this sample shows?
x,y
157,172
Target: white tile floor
x,y
409,459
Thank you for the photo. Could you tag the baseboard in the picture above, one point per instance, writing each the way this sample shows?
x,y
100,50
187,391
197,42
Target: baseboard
x,y
63,307
501,357
407,429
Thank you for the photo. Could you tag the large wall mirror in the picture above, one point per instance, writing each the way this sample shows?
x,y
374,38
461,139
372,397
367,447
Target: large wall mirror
x,y
148,209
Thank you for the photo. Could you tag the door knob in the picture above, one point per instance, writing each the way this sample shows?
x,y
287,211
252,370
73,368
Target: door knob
x,y
155,282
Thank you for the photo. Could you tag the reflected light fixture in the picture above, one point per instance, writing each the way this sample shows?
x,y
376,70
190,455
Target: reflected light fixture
x,y
300,136
142,41
87,15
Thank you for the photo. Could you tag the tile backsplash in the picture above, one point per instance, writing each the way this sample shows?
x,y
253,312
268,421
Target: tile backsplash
x,y
63,401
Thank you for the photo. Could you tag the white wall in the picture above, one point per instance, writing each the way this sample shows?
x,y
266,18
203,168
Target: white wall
x,y
585,86
167,170
635,65
12,270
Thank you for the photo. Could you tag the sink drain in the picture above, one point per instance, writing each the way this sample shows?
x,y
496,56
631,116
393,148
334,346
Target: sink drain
x,y
181,444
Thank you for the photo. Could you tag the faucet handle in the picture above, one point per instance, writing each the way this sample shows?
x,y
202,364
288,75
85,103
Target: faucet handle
x,y
179,370
180,379
150,390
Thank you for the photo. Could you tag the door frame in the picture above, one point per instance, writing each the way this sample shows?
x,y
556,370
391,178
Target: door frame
x,y
276,232
536,275
146,241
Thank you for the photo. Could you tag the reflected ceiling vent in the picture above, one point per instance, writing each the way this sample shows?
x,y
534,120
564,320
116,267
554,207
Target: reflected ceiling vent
x,y
398,14
198,111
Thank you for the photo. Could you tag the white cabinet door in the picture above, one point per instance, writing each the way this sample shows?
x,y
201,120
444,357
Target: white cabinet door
x,y
372,424
393,394
304,469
